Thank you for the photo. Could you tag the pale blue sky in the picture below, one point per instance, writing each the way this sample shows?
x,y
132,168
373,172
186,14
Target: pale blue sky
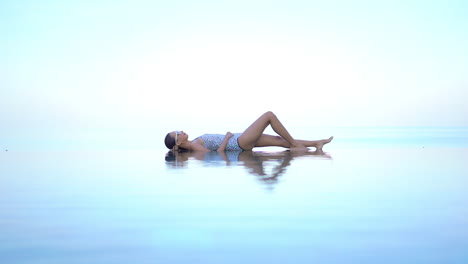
x,y
68,66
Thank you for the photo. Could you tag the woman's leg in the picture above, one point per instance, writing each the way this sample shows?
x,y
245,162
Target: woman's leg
x,y
251,136
276,141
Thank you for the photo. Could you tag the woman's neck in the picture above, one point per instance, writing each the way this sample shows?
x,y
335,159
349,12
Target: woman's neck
x,y
186,145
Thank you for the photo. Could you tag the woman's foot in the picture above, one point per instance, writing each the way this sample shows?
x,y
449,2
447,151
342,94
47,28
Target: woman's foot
x,y
322,142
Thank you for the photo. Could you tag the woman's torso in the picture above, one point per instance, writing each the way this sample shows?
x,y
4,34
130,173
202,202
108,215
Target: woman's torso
x,y
214,141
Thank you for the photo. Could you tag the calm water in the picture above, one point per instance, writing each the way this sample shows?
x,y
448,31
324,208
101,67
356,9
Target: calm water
x,y
401,199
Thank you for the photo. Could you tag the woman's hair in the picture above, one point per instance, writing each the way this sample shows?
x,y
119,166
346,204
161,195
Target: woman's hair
x,y
169,141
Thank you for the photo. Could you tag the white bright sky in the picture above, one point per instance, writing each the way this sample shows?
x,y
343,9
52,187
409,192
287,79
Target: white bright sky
x,y
136,64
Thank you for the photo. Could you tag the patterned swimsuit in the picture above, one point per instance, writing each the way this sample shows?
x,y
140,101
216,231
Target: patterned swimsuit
x,y
214,141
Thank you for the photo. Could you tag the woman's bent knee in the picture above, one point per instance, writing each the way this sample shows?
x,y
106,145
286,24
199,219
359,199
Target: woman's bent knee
x,y
269,114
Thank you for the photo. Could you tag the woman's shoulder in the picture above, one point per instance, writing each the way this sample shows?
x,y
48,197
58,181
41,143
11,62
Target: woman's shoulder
x,y
207,138
198,144
198,140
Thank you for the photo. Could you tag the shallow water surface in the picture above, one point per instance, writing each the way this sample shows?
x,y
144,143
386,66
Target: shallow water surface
x,y
367,205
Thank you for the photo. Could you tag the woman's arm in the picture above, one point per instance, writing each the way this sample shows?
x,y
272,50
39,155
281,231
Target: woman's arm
x,y
222,148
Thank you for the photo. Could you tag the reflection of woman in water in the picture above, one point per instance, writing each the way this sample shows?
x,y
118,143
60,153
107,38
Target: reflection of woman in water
x,y
252,137
256,163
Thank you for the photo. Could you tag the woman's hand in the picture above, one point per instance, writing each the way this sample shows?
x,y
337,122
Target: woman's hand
x,y
225,141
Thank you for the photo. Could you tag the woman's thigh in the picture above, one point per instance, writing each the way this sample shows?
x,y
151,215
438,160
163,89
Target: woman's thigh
x,y
271,141
266,141
252,134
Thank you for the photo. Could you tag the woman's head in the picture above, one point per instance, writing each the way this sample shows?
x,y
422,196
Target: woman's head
x,y
175,138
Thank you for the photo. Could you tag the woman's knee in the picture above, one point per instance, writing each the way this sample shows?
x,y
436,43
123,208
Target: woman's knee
x,y
270,115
